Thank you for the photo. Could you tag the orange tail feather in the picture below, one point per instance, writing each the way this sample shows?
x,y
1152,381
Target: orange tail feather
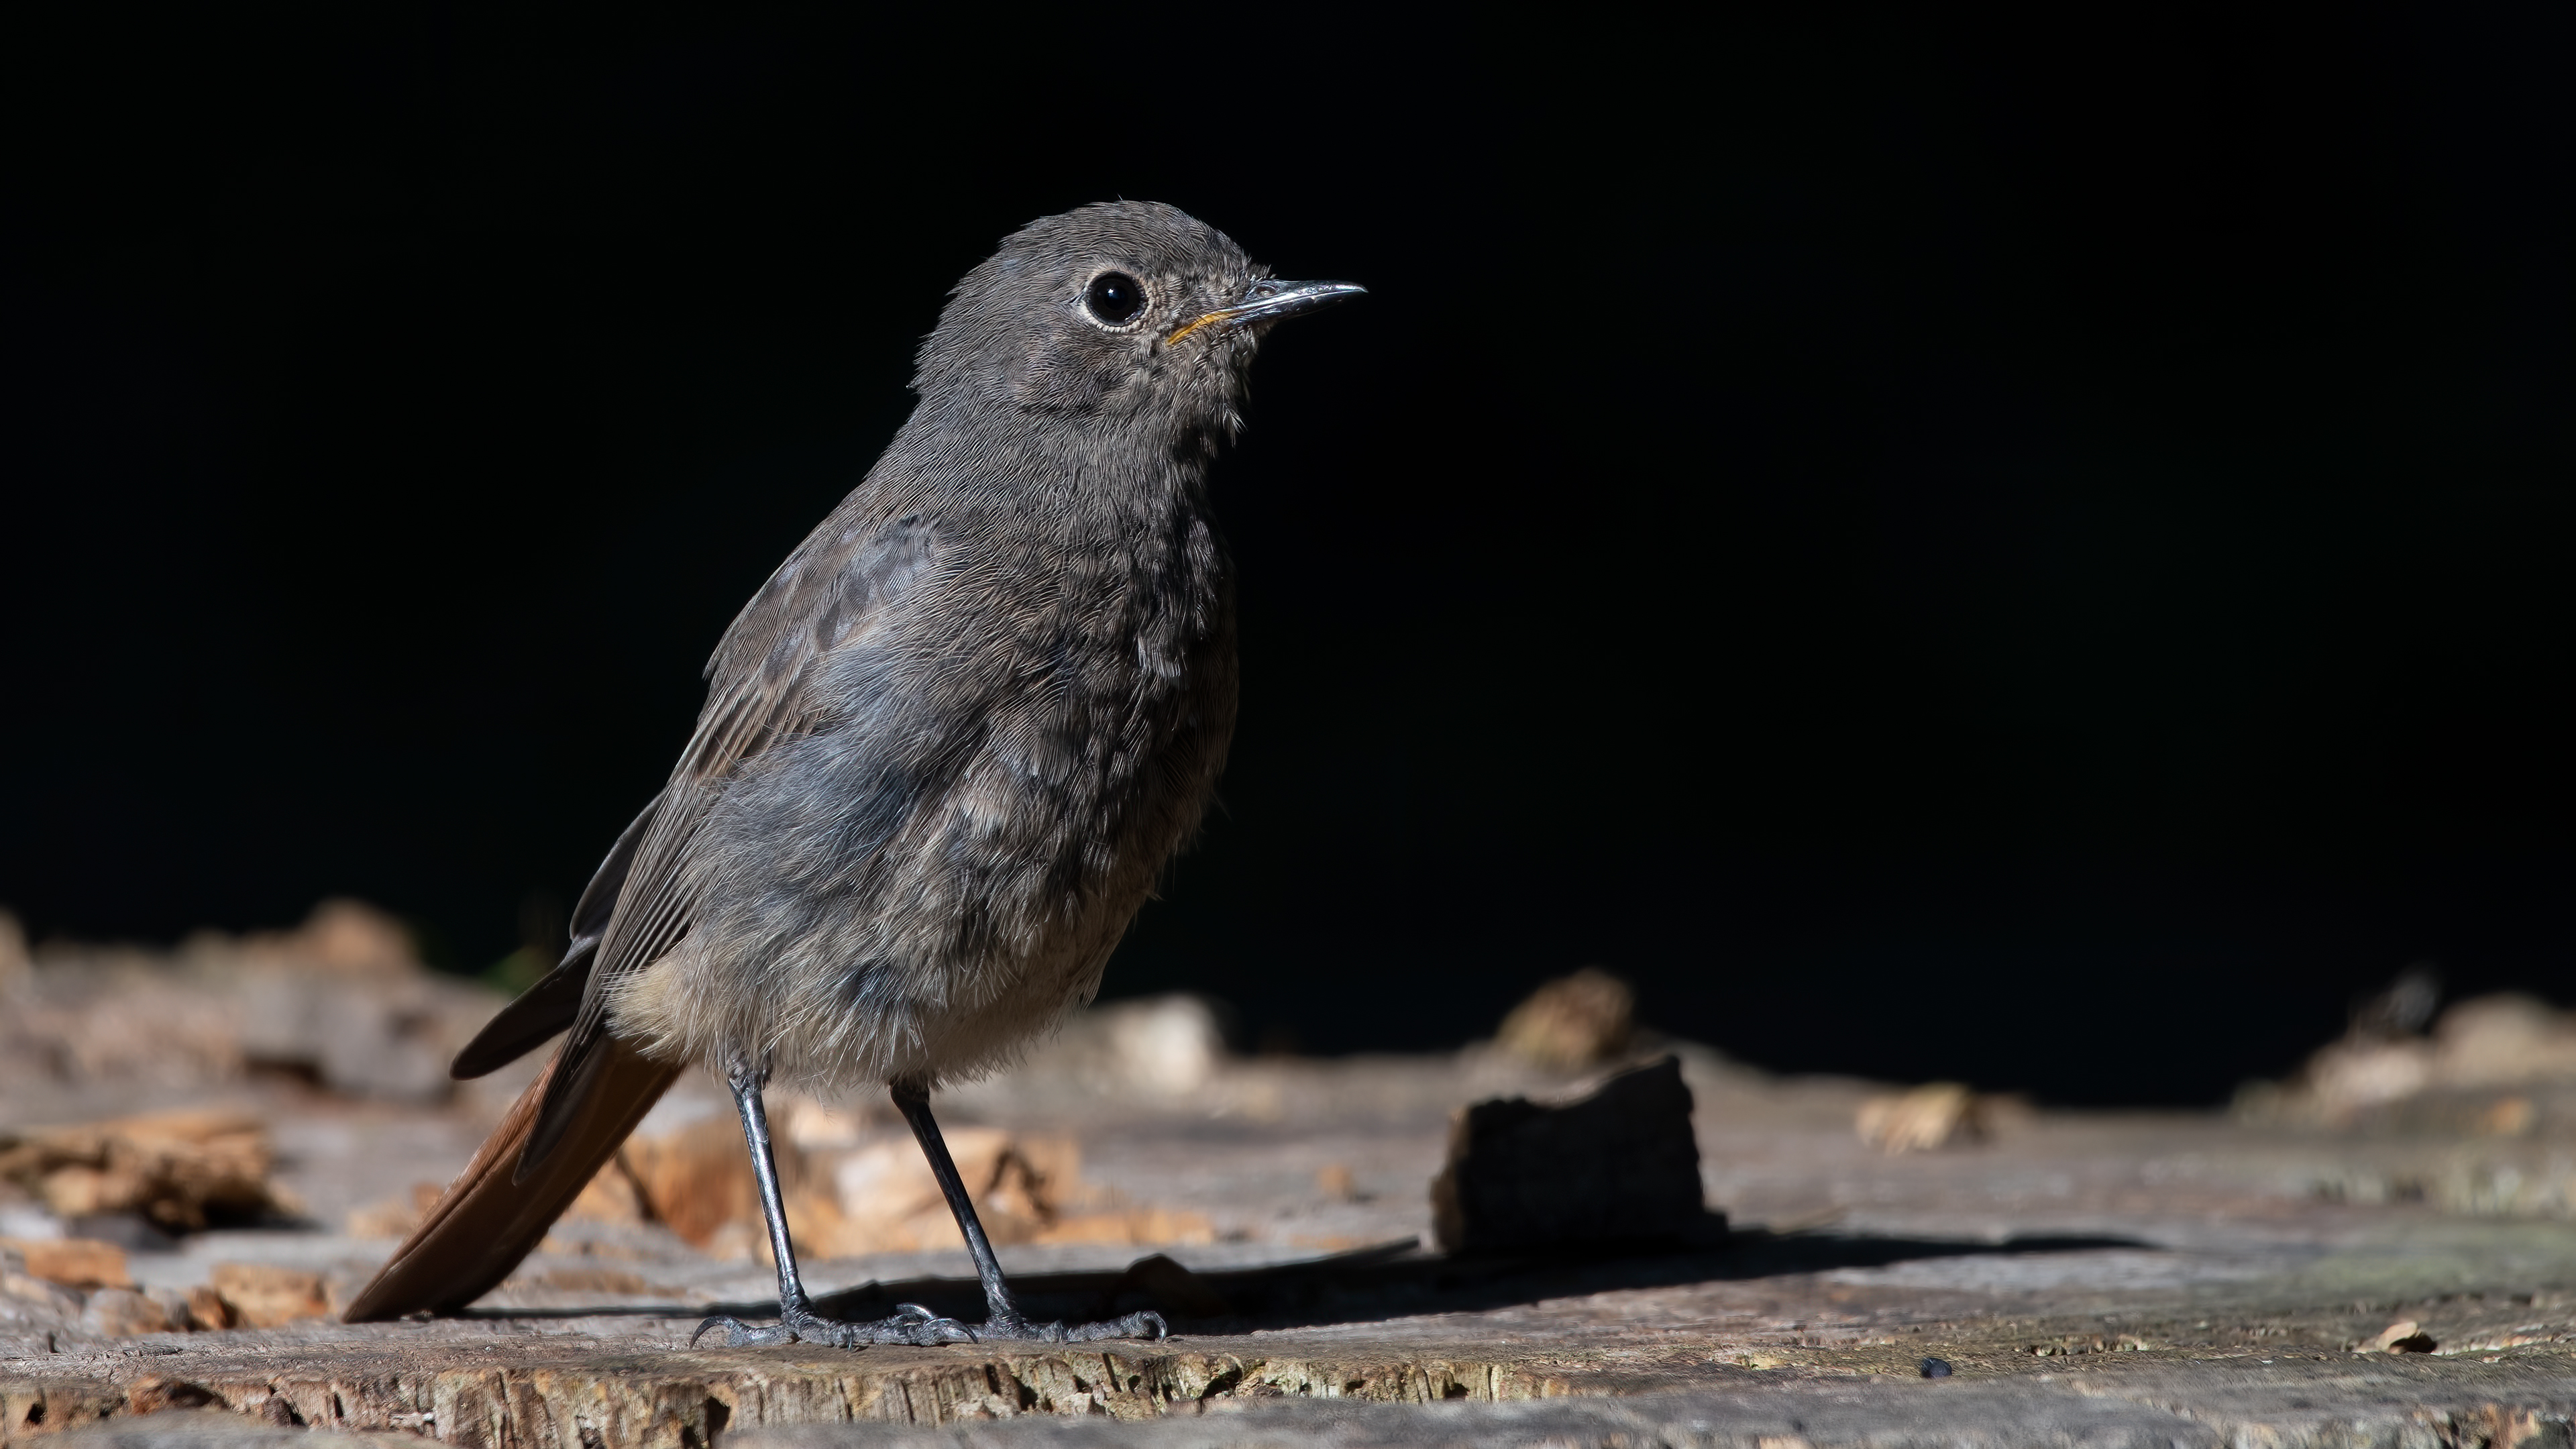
x,y
487,1224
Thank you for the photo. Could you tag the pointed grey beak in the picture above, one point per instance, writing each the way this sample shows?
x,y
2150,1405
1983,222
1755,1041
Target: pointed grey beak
x,y
1268,301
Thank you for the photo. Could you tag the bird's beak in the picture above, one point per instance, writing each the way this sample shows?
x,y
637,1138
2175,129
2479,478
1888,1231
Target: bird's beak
x,y
1268,301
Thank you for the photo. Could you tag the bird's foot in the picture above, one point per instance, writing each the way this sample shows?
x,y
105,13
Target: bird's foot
x,y
911,1323
916,1325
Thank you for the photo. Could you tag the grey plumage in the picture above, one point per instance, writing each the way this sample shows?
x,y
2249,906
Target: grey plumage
x,y
951,742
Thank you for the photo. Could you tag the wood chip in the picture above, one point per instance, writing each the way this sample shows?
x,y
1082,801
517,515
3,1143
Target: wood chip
x,y
1618,1165
1571,1022
72,1262
1941,1114
182,1170
2405,1336
123,1313
261,1295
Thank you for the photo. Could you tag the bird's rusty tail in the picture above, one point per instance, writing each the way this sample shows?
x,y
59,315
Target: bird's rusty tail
x,y
486,1224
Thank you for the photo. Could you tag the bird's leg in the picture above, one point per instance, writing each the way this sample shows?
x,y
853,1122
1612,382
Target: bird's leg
x,y
797,1319
1003,1318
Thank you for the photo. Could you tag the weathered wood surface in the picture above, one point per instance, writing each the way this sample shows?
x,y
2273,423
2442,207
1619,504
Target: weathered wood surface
x,y
2096,1279
2145,1407
1846,1384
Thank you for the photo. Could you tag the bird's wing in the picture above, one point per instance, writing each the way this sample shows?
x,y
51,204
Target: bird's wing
x,y
836,585
555,1002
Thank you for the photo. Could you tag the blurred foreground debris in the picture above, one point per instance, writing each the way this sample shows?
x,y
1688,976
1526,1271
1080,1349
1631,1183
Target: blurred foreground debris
x,y
1619,1164
179,1170
341,1001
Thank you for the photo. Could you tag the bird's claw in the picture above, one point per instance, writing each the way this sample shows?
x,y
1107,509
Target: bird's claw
x,y
918,1326
739,1334
1145,1324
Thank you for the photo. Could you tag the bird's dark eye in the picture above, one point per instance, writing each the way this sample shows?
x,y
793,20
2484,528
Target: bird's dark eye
x,y
1115,298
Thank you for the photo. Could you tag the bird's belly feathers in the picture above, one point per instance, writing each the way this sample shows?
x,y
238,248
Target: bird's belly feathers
x,y
915,895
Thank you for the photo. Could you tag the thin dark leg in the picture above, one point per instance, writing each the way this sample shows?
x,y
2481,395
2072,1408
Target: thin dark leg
x,y
999,1306
764,1170
1003,1318
796,1316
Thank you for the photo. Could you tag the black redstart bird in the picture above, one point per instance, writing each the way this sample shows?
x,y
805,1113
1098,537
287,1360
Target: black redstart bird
x,y
946,750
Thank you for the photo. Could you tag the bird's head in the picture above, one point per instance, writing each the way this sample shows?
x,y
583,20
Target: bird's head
x,y
1126,318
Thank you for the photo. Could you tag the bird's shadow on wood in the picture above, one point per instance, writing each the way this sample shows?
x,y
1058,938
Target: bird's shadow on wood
x,y
1398,1280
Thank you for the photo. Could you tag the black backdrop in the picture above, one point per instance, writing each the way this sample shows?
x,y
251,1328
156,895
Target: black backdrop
x,y
2037,555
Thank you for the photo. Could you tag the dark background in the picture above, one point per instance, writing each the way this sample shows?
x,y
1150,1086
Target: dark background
x,y
2030,554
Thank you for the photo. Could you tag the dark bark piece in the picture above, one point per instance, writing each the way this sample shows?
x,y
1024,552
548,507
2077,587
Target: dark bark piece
x,y
1617,1166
